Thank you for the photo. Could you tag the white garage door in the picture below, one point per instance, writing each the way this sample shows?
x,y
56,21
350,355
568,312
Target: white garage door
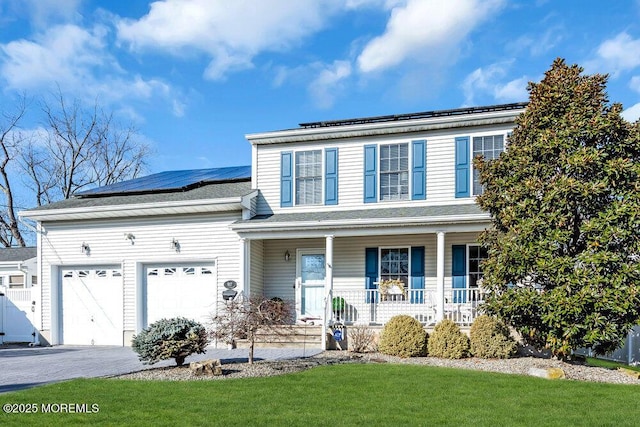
x,y
92,312
185,290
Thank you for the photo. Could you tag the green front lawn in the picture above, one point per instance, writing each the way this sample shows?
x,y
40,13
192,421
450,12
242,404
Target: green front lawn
x,y
371,394
609,364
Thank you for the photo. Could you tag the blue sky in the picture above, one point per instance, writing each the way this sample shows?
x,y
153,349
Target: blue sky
x,y
195,76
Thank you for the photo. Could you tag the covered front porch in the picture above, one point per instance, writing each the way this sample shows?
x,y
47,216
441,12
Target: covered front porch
x,y
371,307
333,269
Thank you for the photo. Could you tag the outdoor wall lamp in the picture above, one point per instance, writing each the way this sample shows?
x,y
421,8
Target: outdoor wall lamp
x,y
85,249
130,237
175,245
287,255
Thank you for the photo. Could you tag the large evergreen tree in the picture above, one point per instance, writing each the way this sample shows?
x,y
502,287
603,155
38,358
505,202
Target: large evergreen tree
x,y
564,249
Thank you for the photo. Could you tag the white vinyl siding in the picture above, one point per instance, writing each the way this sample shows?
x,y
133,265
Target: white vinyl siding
x,y
440,174
201,238
256,273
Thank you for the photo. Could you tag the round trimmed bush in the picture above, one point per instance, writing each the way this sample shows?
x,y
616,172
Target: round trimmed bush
x,y
448,342
403,336
490,339
174,338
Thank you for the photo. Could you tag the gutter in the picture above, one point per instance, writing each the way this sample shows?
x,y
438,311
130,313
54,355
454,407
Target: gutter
x,y
359,223
142,209
383,128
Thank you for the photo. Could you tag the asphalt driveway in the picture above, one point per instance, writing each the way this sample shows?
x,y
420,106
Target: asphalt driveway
x,y
23,367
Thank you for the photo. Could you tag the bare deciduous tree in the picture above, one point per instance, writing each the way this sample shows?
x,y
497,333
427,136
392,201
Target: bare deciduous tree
x,y
245,318
83,148
11,139
77,148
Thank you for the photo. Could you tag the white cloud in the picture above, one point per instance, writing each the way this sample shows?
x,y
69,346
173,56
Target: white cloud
x,y
327,86
622,53
489,81
45,11
62,54
538,44
424,29
632,113
231,33
512,91
76,60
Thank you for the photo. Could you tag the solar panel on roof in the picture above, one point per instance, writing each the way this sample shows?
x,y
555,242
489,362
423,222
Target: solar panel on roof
x,y
172,180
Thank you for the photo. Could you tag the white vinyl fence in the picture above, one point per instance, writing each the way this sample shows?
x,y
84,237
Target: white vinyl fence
x,y
629,353
17,307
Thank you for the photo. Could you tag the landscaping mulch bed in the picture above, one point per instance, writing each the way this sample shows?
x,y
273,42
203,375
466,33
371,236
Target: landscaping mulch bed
x,y
264,368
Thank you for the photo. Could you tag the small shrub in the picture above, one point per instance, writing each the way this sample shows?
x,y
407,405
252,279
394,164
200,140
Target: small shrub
x,y
403,336
490,338
361,339
447,341
174,338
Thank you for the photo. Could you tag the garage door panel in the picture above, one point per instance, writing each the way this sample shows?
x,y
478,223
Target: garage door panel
x,y
180,290
92,306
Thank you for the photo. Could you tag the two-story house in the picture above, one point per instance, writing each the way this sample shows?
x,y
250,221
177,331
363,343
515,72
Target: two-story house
x,y
329,211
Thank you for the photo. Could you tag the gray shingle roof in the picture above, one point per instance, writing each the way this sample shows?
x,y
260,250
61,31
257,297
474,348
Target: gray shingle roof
x,y
17,254
378,213
206,192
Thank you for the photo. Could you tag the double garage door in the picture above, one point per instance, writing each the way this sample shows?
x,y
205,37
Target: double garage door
x,y
93,299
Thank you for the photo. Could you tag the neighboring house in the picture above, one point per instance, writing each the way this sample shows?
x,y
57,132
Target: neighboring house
x,y
18,267
327,210
18,277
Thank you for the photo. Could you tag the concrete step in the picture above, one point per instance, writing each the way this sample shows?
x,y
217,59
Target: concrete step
x,y
297,336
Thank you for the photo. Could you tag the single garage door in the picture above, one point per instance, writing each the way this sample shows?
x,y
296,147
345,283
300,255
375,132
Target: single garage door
x,y
92,306
185,290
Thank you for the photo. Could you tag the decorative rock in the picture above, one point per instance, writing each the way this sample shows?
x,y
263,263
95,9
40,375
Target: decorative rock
x,y
630,372
548,373
206,367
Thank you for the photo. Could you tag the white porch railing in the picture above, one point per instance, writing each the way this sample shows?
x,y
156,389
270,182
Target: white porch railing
x,y
371,307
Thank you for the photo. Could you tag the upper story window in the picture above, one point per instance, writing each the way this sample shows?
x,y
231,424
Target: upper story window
x,y
394,172
309,177
466,182
488,147
308,167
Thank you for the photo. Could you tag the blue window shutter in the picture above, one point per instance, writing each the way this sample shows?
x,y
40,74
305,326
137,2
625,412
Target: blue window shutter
x,y
286,179
371,272
331,176
463,166
419,169
370,174
417,274
459,272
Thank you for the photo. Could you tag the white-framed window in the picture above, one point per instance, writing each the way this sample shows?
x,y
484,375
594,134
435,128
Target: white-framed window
x,y
475,255
308,177
489,147
394,171
16,281
394,264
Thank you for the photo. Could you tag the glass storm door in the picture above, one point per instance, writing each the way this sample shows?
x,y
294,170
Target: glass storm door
x,y
311,275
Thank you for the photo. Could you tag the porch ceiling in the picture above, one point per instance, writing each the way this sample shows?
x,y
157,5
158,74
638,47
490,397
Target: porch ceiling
x,y
362,222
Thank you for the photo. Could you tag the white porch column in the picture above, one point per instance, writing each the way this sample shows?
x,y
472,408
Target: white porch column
x,y
440,277
243,267
328,286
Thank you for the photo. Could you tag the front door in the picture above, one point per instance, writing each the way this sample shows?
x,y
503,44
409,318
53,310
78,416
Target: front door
x,y
311,279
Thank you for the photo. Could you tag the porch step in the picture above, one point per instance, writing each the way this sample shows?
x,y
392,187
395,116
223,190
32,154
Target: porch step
x,y
296,336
